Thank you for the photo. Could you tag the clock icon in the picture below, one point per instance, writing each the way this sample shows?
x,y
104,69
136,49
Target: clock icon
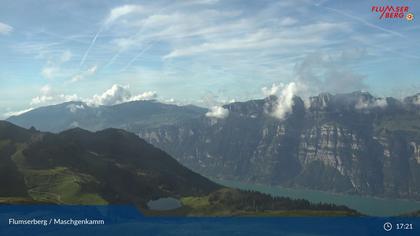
x,y
387,226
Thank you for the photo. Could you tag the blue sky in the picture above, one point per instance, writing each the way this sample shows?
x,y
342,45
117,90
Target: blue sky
x,y
204,52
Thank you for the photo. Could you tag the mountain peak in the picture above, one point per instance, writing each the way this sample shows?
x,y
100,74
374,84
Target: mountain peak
x,y
413,100
321,101
128,115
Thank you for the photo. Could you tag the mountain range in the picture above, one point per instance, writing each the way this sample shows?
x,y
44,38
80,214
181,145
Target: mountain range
x,y
114,166
129,116
348,143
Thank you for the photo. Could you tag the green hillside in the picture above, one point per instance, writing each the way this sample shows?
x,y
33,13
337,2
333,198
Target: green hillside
x,y
117,167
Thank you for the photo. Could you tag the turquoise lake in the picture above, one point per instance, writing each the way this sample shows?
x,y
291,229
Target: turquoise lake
x,y
365,204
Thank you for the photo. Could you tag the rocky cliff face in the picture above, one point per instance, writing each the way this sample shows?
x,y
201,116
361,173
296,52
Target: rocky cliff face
x,y
351,143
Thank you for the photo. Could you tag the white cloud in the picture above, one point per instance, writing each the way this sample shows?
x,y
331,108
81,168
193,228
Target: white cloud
x,y
218,30
67,97
254,40
92,70
49,97
217,112
17,113
74,107
116,94
176,25
417,100
144,96
5,28
45,96
53,67
264,38
119,94
284,103
376,103
82,75
170,100
381,102
124,43
115,14
121,11
43,99
271,91
188,31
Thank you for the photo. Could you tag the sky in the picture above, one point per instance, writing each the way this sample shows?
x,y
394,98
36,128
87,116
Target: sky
x,y
203,52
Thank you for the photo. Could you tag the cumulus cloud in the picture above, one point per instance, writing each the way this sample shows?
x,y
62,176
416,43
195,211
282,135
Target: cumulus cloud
x,y
217,112
119,94
68,97
45,96
43,99
5,28
214,102
284,103
116,94
149,95
376,103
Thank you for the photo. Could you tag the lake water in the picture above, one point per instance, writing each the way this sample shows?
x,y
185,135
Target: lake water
x,y
164,204
367,205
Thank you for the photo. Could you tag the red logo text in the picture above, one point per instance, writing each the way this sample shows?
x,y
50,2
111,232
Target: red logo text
x,y
390,11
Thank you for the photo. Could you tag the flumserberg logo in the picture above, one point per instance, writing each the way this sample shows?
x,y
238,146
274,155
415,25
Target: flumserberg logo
x,y
393,12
